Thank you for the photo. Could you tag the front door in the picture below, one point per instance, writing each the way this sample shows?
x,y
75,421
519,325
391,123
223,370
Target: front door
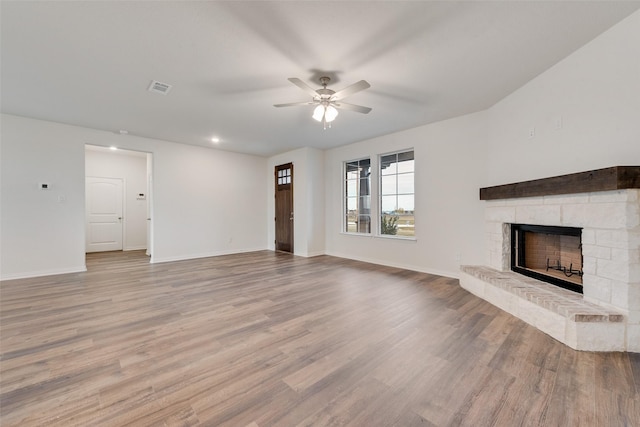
x,y
284,207
103,214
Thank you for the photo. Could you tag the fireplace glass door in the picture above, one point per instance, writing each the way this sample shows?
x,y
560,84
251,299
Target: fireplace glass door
x,y
551,254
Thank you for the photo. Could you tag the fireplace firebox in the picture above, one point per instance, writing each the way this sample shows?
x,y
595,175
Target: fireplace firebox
x,y
548,253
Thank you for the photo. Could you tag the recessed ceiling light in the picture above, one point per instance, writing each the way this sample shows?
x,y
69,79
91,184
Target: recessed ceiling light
x,y
123,132
215,139
113,148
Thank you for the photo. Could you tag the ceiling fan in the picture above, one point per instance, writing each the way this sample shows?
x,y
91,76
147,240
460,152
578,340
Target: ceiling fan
x,y
327,101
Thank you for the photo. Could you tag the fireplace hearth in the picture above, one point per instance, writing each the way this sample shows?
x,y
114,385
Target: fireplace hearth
x,y
548,253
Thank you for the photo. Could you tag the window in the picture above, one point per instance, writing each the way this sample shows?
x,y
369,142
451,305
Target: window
x,y
284,176
357,196
397,194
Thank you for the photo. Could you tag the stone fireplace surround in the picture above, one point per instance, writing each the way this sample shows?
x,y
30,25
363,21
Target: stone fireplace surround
x,y
606,204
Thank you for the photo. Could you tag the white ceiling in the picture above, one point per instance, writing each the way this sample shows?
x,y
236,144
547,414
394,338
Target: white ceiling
x,y
90,63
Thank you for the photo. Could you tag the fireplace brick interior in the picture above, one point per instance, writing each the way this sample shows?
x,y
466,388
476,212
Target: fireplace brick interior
x,y
550,254
547,248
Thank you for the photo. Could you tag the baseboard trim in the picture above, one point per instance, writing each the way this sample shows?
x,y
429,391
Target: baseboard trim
x,y
311,254
436,272
41,273
156,260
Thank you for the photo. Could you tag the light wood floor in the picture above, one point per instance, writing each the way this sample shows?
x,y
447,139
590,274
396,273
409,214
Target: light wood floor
x,y
269,339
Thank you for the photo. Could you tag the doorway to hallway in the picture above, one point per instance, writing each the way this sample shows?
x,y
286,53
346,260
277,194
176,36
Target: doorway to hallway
x,y
118,200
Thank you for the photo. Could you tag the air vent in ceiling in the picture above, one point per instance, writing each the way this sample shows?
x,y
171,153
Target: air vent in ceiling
x,y
159,87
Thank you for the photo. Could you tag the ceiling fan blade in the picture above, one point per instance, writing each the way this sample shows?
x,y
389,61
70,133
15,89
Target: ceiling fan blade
x,y
352,107
293,104
302,85
356,87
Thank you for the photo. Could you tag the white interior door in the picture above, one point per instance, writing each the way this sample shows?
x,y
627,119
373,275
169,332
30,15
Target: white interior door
x,y
103,214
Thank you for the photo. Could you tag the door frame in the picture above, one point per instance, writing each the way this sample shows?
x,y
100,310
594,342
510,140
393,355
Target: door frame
x,y
284,182
150,199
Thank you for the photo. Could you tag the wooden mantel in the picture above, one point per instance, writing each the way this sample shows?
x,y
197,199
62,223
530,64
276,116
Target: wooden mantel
x,y
613,178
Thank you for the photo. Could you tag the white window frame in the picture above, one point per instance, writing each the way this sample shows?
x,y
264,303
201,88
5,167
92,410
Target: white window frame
x,y
345,227
396,194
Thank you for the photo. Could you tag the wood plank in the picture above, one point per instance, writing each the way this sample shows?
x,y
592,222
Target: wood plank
x,y
607,179
271,339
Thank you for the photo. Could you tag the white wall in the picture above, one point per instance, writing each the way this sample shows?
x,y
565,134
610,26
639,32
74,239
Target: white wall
x,y
206,201
308,200
42,231
131,167
315,198
449,159
585,111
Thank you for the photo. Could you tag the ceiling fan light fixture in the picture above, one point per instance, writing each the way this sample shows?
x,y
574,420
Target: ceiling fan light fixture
x,y
318,113
328,101
330,113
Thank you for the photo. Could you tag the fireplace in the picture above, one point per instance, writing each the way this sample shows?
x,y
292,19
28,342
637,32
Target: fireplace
x,y
548,253
596,211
